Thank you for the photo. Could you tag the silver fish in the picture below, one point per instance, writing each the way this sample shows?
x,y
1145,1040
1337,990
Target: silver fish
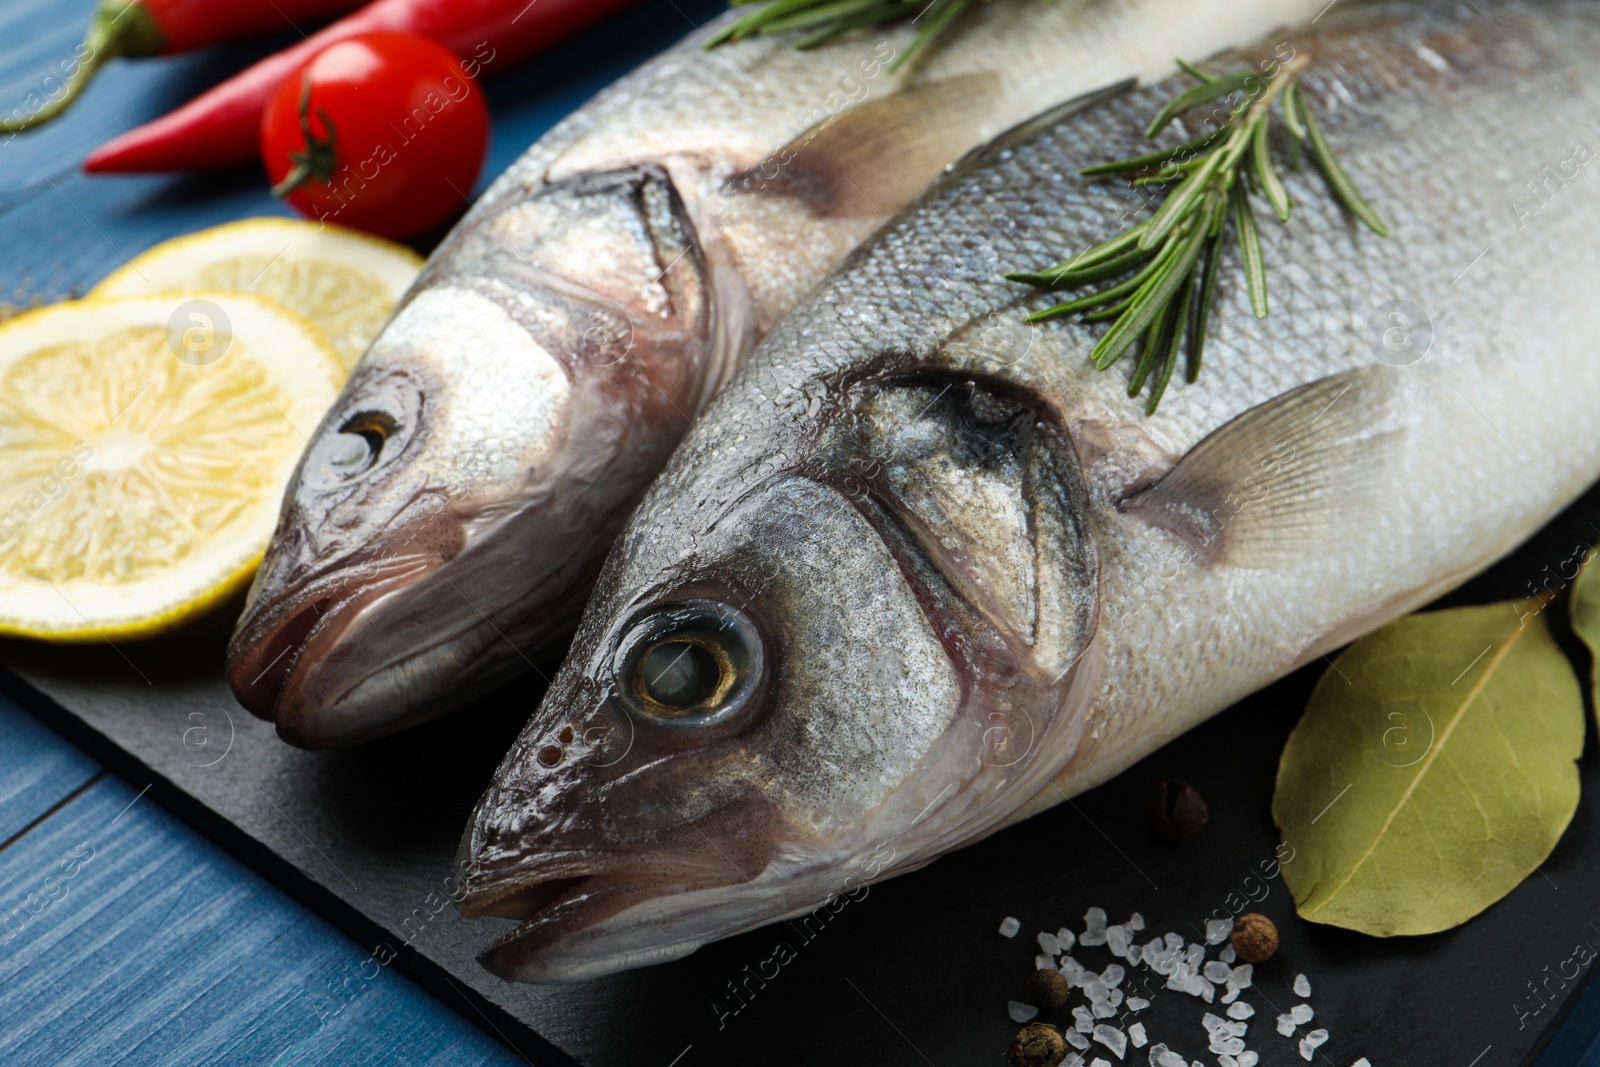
x,y
920,571
454,507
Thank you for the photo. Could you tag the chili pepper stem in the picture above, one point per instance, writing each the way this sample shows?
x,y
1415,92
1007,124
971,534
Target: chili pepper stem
x,y
121,28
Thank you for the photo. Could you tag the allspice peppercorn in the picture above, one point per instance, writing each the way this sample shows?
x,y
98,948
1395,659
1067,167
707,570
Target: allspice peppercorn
x,y
1180,810
1037,1045
1254,938
1048,989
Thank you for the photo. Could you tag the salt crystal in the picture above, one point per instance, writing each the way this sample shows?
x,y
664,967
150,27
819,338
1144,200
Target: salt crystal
x,y
1240,1011
1072,1060
1242,976
1135,954
1050,943
1095,927
1307,1050
1173,941
1118,939
1158,1052
1227,955
1020,1012
1009,926
1112,975
1317,1038
1169,1059
1137,1004
1084,1021
1222,1043
1302,986
1116,998
1104,1010
1136,922
1096,990
1231,995
1218,971
1076,1039
1210,1022
1137,1036
1112,1038
1043,962
1193,956
1285,1025
1217,931
1099,1062
1066,939
1225,1060
1248,1058
1301,1014
1362,1062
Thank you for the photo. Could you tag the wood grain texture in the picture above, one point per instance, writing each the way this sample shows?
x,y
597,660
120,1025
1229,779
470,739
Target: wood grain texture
x,y
38,770
126,938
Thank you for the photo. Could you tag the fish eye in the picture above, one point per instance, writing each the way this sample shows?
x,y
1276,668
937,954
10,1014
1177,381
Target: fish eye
x,y
696,663
358,444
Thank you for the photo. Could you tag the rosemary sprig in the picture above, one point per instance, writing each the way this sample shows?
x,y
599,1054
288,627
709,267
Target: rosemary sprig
x,y
1158,278
821,21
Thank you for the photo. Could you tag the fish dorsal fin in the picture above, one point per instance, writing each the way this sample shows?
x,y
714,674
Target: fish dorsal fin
x,y
983,488
1284,476
873,159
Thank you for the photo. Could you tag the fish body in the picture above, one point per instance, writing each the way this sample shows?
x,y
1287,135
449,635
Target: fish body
x,y
921,570
454,507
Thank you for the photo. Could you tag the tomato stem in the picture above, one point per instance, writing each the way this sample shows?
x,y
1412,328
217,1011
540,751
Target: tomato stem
x,y
318,160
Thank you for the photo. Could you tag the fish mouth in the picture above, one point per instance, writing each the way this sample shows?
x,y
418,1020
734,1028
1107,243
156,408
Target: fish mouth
x,y
565,933
285,663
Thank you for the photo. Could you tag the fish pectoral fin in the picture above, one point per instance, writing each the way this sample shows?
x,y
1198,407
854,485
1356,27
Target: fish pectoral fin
x,y
873,159
1295,472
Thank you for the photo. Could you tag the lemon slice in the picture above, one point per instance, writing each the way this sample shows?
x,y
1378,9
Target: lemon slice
x,y
144,446
345,282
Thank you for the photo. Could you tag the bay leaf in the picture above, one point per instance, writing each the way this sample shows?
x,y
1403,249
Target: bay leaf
x,y
1434,769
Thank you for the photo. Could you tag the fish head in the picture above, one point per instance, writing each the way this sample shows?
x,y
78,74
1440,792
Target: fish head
x,y
451,511
814,658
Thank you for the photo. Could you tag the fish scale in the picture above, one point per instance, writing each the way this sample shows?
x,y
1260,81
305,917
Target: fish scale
x,y
1302,492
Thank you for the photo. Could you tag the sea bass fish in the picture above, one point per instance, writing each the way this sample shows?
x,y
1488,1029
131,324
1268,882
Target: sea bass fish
x,y
453,509
921,571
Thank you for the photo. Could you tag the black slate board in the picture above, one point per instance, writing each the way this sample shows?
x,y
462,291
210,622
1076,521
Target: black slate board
x,y
914,972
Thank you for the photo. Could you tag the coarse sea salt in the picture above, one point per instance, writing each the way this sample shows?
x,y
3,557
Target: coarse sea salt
x,y
1009,926
1242,976
1082,1019
1247,1058
1227,955
1049,943
1308,1051
1362,1062
1217,971
1094,921
1285,1025
1020,1012
1137,1004
1302,986
1066,939
1217,931
1112,1038
1100,1062
1136,1035
1317,1038
1044,962
1301,1014
1240,1011
1076,1039
1136,922
1112,976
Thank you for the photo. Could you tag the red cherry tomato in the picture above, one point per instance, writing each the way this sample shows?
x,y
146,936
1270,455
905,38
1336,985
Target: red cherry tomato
x,y
384,132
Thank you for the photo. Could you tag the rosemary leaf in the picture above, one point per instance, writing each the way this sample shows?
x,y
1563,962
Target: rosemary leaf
x,y
1181,201
1155,159
1208,292
1338,180
1255,271
1267,174
1203,93
1173,343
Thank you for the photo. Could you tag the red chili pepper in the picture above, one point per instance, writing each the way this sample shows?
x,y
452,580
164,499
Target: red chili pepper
x,y
134,29
222,127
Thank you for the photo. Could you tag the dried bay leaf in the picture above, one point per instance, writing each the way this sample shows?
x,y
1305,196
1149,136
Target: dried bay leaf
x,y
1434,769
